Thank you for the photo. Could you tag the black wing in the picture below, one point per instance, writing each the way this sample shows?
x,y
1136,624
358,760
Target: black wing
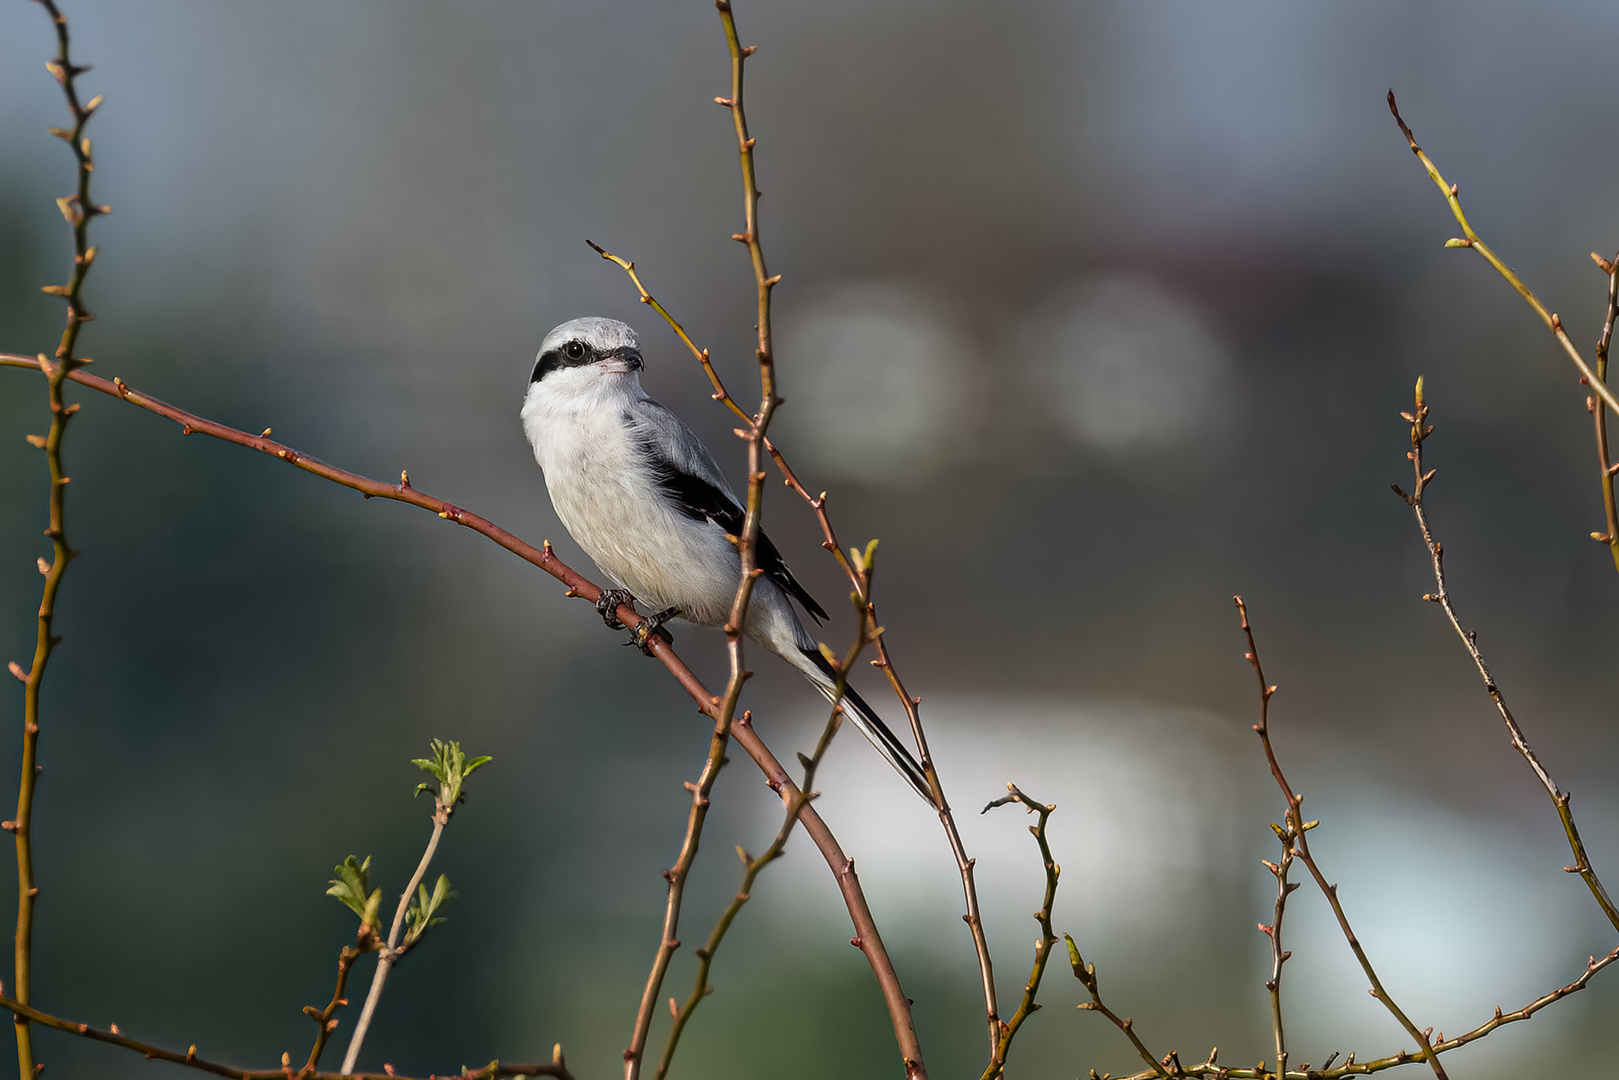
x,y
701,500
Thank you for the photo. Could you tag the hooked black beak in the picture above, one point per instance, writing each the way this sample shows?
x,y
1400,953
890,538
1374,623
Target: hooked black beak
x,y
628,359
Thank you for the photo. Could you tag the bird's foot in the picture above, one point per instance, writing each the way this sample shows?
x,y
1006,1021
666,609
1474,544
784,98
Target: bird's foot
x,y
608,603
652,626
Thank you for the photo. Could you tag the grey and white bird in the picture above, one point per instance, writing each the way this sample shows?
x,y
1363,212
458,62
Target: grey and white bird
x,y
644,499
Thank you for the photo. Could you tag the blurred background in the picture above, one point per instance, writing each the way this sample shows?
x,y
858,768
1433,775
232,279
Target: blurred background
x,y
1095,314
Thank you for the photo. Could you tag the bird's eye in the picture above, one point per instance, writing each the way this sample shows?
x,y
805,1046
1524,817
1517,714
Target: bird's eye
x,y
575,350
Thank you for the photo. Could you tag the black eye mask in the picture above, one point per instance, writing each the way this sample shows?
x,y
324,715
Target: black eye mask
x,y
561,357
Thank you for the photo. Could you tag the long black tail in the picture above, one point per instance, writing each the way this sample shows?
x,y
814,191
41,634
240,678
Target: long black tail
x,y
871,726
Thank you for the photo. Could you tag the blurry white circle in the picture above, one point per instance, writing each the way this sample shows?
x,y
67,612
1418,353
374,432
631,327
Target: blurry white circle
x,y
872,373
1123,364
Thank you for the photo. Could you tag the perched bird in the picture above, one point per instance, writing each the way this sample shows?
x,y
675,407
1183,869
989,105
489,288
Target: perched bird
x,y
643,497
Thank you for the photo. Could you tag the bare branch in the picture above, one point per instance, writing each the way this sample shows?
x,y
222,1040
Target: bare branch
x,y
325,1024
1599,411
1048,938
1351,1067
1086,974
752,866
1470,239
754,433
1420,430
736,622
557,1067
79,210
1301,846
1287,834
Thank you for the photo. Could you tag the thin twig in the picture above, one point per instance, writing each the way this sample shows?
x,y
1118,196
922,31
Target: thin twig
x,y
1286,833
1470,239
78,209
899,1005
746,545
1420,430
1301,846
1293,826
752,866
557,1068
1048,938
325,1022
1086,974
1599,411
754,434
390,953
1351,1067
720,393
676,877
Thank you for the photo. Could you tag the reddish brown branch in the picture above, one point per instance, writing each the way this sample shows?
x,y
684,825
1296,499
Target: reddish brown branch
x,y
676,877
842,867
746,544
751,866
325,1022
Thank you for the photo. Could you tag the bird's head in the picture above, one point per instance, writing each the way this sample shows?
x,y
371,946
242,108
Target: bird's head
x,y
582,353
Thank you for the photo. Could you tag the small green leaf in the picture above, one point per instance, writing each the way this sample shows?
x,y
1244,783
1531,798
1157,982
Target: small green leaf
x,y
450,766
352,885
422,915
